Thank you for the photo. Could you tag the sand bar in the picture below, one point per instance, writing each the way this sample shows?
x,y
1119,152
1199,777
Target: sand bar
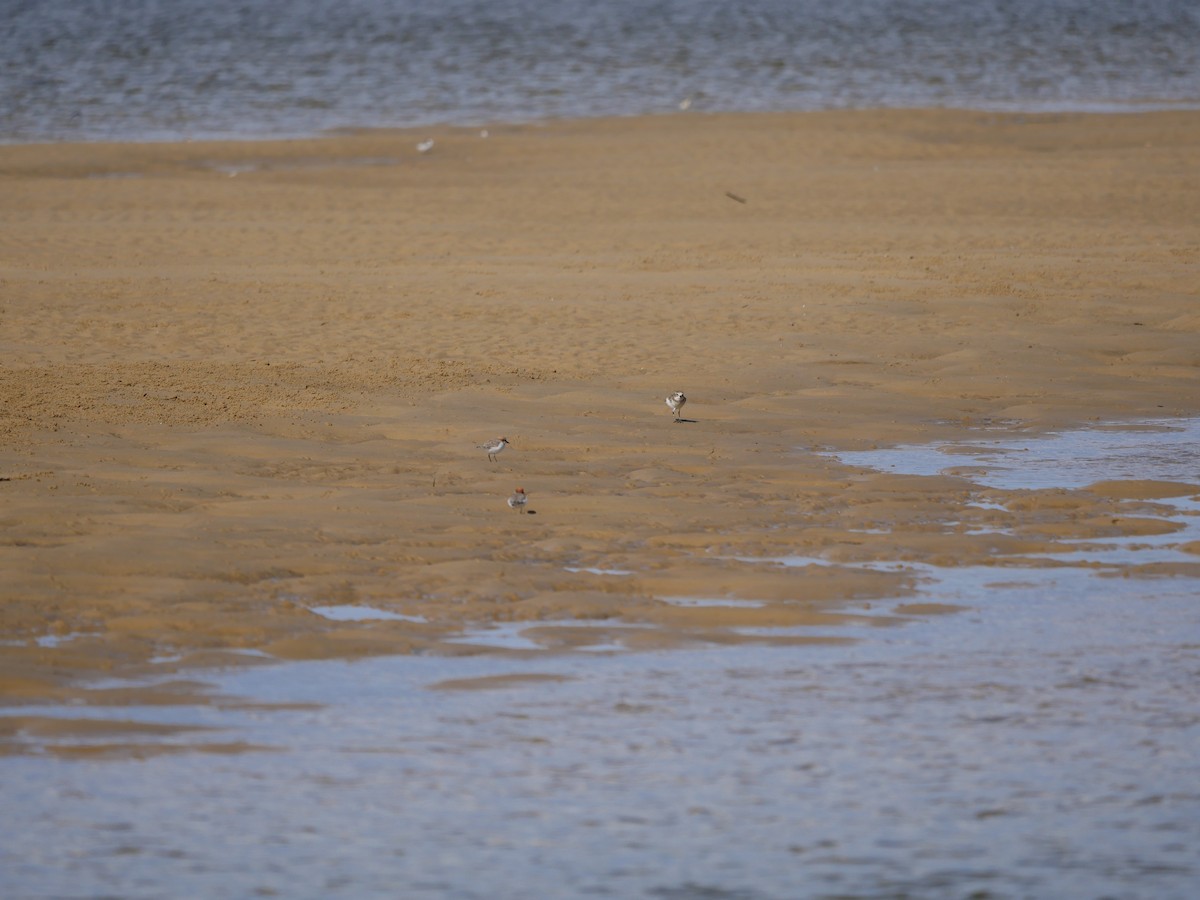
x,y
240,380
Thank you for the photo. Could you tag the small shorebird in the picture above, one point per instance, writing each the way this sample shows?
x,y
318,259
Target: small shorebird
x,y
518,500
675,403
494,448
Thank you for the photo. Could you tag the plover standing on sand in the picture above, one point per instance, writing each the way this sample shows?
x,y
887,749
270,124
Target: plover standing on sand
x,y
675,403
493,448
518,500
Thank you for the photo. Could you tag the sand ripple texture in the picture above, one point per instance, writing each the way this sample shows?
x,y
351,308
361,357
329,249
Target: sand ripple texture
x,y
244,379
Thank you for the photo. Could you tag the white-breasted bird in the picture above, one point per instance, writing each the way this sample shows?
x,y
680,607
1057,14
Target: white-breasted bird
x,y
494,448
675,403
518,500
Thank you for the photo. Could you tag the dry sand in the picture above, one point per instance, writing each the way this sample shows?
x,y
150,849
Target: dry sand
x,y
243,379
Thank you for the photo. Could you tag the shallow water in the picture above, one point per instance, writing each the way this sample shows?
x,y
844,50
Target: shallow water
x,y
178,69
1042,744
351,613
1164,450
1044,741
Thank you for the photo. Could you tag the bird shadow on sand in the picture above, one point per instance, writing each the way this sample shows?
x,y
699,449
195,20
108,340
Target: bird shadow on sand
x,y
686,421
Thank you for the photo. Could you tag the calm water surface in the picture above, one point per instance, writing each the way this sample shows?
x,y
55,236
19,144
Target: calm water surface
x,y
1043,742
169,69
1045,745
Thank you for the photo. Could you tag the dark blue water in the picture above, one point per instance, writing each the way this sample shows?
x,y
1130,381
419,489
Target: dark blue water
x,y
168,69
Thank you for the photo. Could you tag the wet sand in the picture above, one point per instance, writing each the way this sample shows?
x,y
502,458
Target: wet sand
x,y
240,380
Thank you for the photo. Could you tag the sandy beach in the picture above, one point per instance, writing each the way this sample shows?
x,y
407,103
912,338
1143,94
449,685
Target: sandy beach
x,y
240,380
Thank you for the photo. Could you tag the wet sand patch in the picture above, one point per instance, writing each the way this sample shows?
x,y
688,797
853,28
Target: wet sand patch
x,y
495,682
135,751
